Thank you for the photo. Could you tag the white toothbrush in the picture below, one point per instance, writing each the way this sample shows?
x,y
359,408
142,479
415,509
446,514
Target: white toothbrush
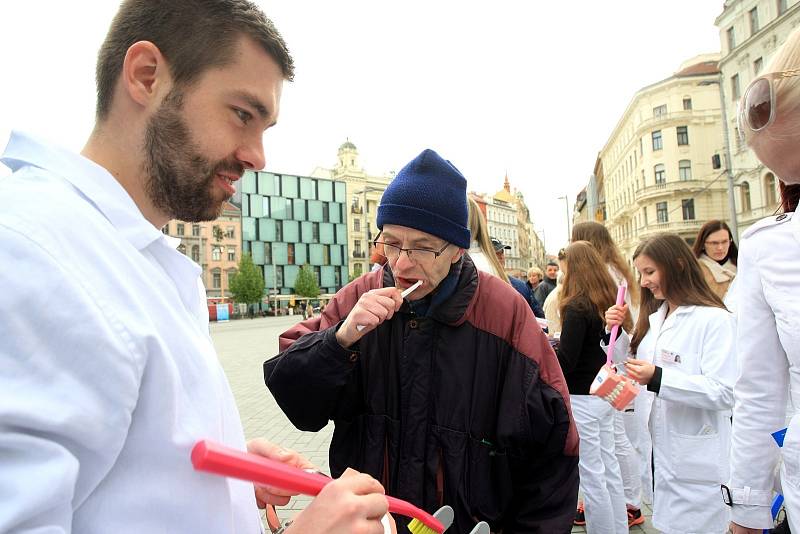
x,y
406,292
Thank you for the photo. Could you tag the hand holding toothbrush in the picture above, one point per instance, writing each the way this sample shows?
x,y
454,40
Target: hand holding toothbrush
x,y
373,308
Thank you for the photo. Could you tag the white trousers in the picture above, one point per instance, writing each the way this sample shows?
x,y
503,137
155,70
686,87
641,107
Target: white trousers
x,y
601,482
628,456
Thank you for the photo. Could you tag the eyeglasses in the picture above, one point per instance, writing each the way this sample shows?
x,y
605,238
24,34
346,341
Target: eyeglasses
x,y
417,255
757,107
718,243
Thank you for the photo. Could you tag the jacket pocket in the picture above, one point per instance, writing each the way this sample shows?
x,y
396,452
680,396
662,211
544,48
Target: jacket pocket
x,y
489,484
696,458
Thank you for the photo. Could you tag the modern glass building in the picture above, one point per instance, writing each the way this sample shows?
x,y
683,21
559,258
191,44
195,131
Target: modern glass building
x,y
289,221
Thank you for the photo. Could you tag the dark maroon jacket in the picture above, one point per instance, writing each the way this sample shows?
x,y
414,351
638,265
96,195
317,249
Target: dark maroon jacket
x,y
466,407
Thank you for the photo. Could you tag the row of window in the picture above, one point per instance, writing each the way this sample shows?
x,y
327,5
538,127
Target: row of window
x,y
270,230
294,187
683,137
296,253
292,209
216,252
660,112
736,88
282,277
754,23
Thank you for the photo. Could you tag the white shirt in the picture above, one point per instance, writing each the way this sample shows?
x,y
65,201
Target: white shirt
x,y
769,356
108,374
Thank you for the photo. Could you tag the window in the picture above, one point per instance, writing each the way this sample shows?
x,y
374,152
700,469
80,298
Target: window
x,y
782,5
769,189
657,143
318,274
278,230
660,173
230,232
231,274
683,135
735,91
315,232
179,229
685,169
687,104
231,253
745,196
661,212
165,229
290,253
753,15
182,248
357,247
326,255
687,206
196,230
196,253
326,215
660,111
644,215
356,225
758,64
216,278
216,253
731,38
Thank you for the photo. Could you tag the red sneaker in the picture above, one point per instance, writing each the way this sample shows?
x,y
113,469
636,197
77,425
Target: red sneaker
x,y
580,515
635,517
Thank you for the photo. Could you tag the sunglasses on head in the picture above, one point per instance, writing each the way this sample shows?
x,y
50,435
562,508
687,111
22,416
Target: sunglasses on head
x,y
757,106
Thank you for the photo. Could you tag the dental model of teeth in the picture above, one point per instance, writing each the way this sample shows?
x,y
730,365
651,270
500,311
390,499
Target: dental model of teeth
x,y
618,390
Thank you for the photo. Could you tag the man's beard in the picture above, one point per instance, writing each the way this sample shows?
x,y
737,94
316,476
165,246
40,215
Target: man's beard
x,y
180,181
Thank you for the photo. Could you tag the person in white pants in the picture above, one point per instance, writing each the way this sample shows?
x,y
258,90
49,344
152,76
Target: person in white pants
x,y
587,289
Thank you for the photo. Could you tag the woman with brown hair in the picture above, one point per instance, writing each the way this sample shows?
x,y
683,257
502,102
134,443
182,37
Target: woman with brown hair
x,y
586,290
716,250
631,440
683,351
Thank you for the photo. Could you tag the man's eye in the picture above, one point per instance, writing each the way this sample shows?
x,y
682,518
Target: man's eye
x,y
243,115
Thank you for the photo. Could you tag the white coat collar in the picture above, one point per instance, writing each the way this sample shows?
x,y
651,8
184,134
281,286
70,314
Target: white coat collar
x,y
659,321
93,181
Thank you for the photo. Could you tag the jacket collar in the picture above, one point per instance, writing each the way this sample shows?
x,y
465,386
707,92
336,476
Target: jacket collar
x,y
452,310
94,182
658,320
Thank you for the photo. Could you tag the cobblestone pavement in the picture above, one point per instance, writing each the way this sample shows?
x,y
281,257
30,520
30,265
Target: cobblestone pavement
x,y
243,346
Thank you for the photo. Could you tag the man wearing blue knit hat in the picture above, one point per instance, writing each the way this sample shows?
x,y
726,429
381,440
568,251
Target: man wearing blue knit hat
x,y
451,395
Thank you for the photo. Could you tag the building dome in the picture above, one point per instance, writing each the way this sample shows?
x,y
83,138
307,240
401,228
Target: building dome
x,y
347,145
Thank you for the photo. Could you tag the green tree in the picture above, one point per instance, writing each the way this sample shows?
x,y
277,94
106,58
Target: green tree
x,y
247,285
306,283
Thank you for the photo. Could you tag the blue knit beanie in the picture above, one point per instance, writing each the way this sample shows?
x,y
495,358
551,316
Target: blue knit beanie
x,y
430,195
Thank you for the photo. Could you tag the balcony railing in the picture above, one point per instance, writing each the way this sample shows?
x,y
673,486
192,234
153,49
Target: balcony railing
x,y
678,227
671,187
358,210
359,254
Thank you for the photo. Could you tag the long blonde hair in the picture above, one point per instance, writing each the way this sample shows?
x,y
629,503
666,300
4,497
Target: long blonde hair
x,y
598,235
587,285
480,234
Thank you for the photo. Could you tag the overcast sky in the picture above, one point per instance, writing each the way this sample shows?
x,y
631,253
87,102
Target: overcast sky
x,y
531,88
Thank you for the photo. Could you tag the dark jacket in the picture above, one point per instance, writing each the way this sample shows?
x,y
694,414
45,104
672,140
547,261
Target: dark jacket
x,y
579,351
523,289
466,407
544,289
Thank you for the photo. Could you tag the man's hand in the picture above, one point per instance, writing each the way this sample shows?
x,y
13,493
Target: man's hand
x,y
735,528
372,308
352,504
615,315
264,494
640,370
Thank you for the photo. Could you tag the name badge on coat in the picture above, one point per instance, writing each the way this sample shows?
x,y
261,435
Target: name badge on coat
x,y
669,358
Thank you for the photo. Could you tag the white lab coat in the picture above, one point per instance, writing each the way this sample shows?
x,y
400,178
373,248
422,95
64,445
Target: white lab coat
x,y
689,418
108,375
769,355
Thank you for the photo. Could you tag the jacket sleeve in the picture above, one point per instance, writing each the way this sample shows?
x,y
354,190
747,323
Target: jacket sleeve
x,y
545,479
312,361
761,395
712,389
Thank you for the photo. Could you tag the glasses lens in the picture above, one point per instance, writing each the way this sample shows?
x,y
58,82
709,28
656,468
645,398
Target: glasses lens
x,y
758,105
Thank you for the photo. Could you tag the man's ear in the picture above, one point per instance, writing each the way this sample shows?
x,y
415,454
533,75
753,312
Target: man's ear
x,y
458,255
145,76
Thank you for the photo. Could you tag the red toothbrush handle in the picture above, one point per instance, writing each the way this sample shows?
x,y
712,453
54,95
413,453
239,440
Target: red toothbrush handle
x,y
223,460
226,461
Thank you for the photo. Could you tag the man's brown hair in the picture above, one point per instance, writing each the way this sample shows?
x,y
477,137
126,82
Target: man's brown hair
x,y
193,35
